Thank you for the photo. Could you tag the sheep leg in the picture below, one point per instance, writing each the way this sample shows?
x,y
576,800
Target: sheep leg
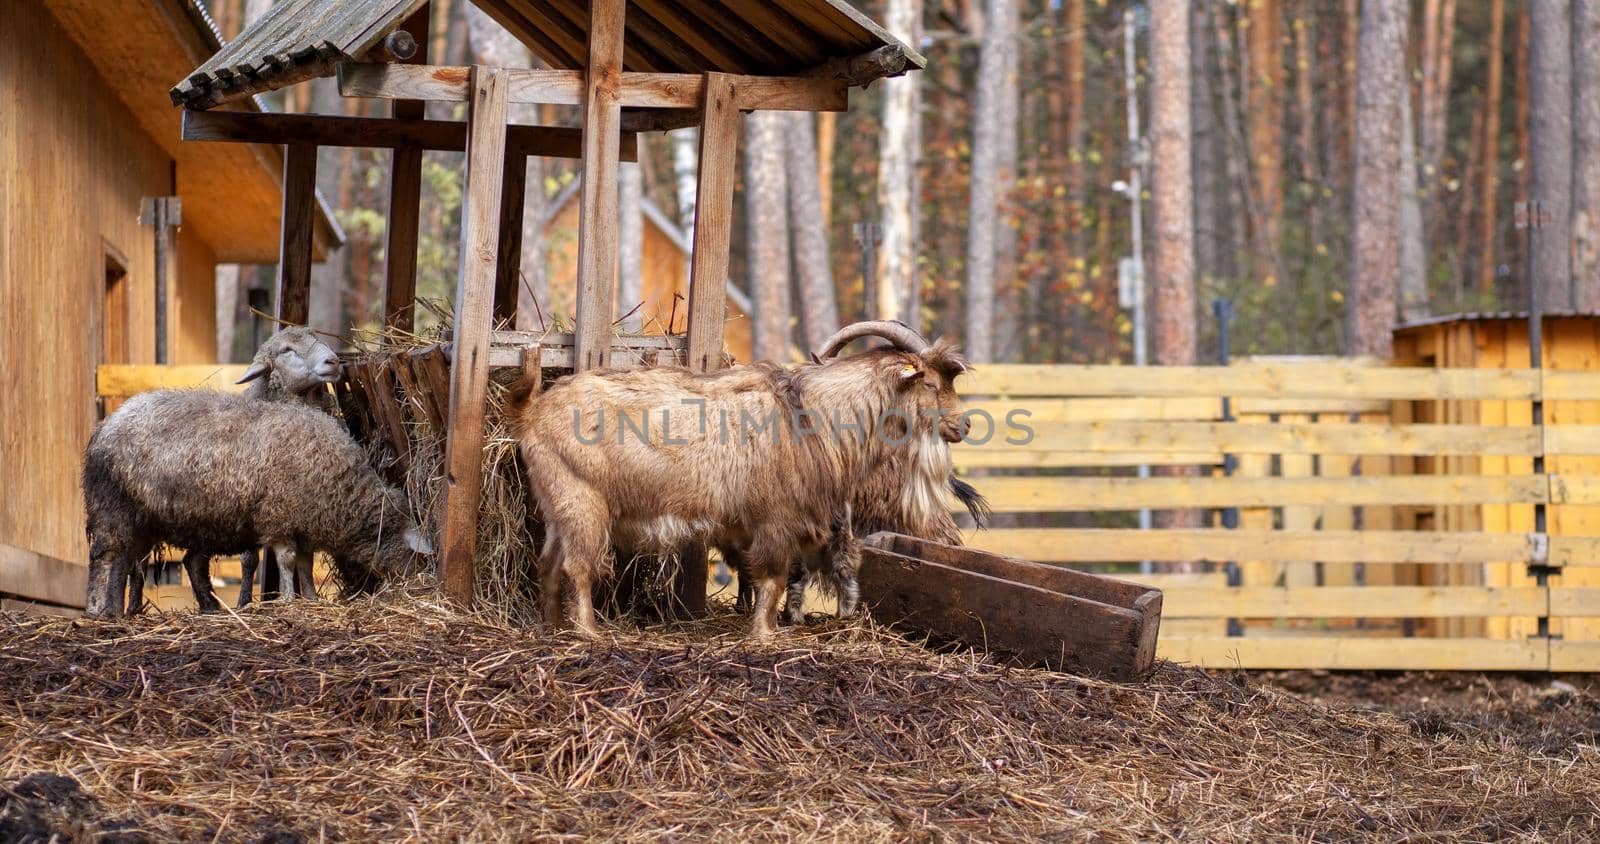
x,y
198,567
248,561
108,580
304,580
135,585
285,555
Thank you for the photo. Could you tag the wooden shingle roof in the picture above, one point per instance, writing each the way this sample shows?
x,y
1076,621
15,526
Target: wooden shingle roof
x,y
302,39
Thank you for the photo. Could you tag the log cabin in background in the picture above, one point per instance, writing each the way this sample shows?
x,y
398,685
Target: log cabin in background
x,y
110,232
664,285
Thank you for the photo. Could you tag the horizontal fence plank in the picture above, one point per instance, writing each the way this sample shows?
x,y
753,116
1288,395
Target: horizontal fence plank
x,y
1272,438
1322,380
28,574
118,380
1353,601
1575,602
1373,654
1323,407
1572,439
1575,489
1110,545
1571,386
1054,494
1042,410
1567,655
1575,551
985,457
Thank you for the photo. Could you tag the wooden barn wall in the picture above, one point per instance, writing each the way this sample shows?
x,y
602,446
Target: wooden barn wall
x,y
73,168
666,272
194,310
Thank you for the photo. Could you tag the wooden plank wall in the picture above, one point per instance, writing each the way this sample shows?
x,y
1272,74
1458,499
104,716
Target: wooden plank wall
x,y
74,164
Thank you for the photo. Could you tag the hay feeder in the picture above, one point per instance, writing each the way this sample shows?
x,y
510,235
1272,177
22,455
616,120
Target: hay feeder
x,y
1038,614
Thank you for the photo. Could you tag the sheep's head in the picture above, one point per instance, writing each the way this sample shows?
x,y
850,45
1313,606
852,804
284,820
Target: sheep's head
x,y
388,548
294,361
930,369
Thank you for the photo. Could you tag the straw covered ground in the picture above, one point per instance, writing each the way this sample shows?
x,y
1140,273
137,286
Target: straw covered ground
x,y
394,717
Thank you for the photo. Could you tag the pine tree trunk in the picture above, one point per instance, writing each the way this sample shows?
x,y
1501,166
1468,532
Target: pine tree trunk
x,y
1171,281
1264,110
1304,29
1586,154
1489,192
630,246
685,166
1550,140
1009,335
1075,209
898,145
1206,161
1519,297
819,309
983,214
767,233
1413,269
1375,212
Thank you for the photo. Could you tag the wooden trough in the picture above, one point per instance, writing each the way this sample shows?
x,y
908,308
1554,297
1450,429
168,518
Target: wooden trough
x,y
1037,614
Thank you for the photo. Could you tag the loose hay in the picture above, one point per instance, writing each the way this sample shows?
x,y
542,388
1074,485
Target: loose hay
x,y
395,717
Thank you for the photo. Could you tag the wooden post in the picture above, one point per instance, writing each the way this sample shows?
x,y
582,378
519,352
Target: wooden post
x,y
713,223
508,275
405,202
294,249
469,371
597,220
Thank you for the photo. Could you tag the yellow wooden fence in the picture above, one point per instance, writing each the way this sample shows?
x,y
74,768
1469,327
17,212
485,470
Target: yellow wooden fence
x,y
1350,550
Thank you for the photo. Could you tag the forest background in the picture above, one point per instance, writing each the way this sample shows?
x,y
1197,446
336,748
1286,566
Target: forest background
x,y
1331,167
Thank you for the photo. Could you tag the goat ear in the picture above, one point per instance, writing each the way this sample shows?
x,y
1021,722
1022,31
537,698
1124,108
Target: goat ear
x,y
255,371
910,371
417,542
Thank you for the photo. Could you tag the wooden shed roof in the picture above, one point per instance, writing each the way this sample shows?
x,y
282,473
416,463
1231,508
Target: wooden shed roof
x,y
302,39
231,192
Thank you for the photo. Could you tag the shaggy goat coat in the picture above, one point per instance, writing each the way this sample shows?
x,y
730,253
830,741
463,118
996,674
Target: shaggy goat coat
x,y
758,457
220,474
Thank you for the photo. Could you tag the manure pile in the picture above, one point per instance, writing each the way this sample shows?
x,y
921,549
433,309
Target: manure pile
x,y
396,718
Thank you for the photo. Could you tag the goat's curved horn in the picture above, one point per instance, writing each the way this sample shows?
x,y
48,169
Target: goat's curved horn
x,y
894,331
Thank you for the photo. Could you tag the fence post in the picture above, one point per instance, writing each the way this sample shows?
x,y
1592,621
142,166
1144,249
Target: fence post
x,y
1223,309
1531,216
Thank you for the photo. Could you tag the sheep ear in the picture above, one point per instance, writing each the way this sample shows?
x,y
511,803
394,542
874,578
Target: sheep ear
x,y
255,371
417,542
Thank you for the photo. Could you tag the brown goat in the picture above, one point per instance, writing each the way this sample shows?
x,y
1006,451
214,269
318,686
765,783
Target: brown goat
x,y
761,458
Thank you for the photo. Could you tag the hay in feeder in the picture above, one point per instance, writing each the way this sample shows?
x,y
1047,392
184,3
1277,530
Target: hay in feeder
x,y
397,718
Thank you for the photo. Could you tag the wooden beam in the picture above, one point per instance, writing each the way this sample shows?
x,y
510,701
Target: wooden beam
x,y
469,374
405,197
566,87
1061,494
380,133
598,211
1106,545
1320,380
1350,653
508,272
1279,438
42,578
713,226
294,250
